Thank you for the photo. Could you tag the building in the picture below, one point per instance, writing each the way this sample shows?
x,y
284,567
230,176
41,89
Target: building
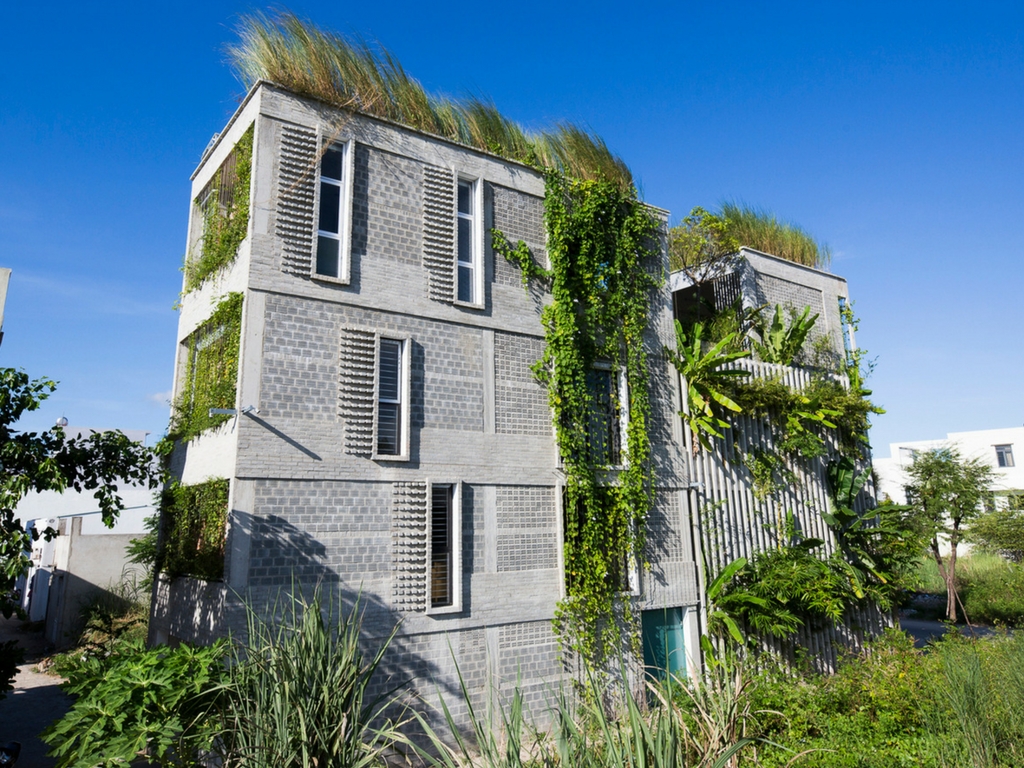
x,y
383,432
994,447
387,436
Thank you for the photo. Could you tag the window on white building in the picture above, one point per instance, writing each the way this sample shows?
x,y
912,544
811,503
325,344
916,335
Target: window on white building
x,y
1004,455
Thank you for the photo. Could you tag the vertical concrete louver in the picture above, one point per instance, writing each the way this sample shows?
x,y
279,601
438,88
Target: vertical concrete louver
x,y
409,545
355,395
296,185
439,232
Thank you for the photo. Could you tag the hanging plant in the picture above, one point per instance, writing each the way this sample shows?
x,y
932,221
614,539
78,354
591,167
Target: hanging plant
x,y
600,242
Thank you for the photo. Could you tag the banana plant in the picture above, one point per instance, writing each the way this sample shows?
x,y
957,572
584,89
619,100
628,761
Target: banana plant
x,y
781,343
706,378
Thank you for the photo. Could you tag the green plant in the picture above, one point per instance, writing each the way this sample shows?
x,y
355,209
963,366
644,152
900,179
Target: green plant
x,y
763,231
211,371
600,246
946,493
135,702
299,693
194,518
1001,527
701,246
225,215
707,379
781,343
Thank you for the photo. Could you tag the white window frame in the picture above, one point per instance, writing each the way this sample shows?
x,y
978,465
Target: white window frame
x,y
455,576
476,244
403,400
1004,451
344,234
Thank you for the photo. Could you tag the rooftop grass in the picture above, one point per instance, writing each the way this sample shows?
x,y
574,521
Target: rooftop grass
x,y
763,231
295,54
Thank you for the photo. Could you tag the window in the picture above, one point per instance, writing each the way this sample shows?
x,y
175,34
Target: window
x,y
1004,455
469,264
444,582
334,219
606,426
392,400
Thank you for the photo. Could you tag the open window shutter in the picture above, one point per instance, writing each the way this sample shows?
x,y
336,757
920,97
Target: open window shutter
x,y
439,232
296,185
355,406
409,546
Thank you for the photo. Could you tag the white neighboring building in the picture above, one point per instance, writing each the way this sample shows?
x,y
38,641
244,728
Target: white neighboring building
x,y
86,558
1002,449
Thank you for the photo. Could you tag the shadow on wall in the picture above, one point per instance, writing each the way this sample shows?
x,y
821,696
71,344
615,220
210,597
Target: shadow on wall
x,y
288,563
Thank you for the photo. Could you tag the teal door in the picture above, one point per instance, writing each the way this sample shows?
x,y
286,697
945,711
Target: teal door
x,y
664,642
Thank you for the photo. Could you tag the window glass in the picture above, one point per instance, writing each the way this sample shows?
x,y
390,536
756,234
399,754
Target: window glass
x,y
441,521
389,398
1004,455
604,429
330,207
468,257
331,163
331,247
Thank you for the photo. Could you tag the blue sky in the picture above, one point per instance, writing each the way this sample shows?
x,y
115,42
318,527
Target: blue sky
x,y
892,133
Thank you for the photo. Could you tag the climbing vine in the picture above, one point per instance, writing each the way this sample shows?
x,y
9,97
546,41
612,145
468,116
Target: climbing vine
x,y
194,519
211,371
600,243
224,204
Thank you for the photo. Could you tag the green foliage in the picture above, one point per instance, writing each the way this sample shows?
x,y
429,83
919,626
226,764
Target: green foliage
x,y
603,270
297,55
707,381
992,590
519,254
781,343
298,694
1001,528
144,550
194,518
763,231
211,371
135,701
225,209
51,461
701,245
946,493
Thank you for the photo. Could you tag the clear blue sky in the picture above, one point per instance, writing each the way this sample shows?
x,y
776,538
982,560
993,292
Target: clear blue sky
x,y
892,133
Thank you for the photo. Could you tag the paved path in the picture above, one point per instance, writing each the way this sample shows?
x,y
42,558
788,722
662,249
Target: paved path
x,y
36,701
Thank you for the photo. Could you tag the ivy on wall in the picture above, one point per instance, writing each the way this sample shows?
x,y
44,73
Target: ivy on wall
x,y
604,268
224,205
194,520
211,371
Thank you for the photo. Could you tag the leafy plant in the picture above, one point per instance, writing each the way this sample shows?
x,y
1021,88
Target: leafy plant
x,y
211,371
781,342
225,215
195,517
136,702
299,693
706,378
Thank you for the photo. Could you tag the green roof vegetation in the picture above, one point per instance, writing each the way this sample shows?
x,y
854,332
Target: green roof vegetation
x,y
762,230
296,55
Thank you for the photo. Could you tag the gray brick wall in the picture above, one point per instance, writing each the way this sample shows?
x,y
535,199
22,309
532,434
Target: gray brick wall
x,y
521,402
518,217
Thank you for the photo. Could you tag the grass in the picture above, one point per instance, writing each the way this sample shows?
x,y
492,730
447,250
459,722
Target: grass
x,y
764,231
991,587
294,53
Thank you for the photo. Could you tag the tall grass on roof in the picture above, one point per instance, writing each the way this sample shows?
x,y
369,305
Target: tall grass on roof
x,y
295,54
762,230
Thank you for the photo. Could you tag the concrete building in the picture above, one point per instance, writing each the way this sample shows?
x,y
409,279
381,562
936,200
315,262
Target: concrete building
x,y
386,408
388,437
995,447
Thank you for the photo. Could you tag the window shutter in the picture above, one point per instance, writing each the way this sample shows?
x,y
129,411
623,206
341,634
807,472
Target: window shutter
x,y
439,232
296,185
357,366
409,546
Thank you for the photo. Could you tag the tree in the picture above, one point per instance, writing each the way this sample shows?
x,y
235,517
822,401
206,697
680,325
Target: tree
x,y
1001,528
52,461
946,493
